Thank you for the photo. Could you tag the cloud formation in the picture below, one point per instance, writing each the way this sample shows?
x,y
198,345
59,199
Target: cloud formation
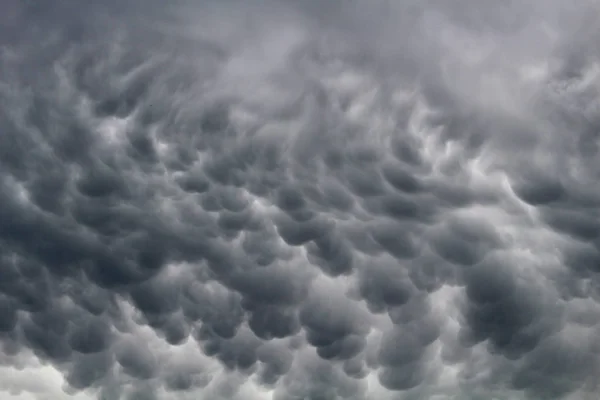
x,y
277,200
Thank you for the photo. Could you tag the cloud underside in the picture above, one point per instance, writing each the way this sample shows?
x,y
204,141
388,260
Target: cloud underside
x,y
299,200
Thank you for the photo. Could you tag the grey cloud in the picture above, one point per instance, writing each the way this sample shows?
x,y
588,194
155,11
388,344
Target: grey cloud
x,y
317,200
136,359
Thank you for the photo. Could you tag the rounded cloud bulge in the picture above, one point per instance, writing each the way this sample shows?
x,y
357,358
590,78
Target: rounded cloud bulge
x,y
285,200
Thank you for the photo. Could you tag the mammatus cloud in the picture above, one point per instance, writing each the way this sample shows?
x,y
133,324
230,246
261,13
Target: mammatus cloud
x,y
277,200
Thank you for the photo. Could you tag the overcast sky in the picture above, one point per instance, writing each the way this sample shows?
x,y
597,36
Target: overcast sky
x,y
299,200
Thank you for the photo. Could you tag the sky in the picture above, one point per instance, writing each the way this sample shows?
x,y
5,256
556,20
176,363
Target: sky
x,y
299,200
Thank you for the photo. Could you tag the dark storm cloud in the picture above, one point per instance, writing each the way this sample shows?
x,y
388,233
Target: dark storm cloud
x,y
284,200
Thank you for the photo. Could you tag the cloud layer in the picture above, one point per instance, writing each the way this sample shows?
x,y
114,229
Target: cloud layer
x,y
300,200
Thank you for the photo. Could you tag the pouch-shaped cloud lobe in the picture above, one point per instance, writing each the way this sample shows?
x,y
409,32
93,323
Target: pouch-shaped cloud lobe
x,y
299,200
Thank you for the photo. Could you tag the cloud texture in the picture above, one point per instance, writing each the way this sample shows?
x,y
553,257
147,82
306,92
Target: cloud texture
x,y
300,200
